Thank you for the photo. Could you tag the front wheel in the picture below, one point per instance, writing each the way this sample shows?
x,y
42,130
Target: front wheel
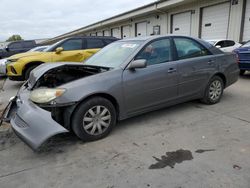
x,y
94,119
214,91
27,72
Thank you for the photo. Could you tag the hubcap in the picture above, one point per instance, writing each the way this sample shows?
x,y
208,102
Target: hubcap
x,y
96,120
215,90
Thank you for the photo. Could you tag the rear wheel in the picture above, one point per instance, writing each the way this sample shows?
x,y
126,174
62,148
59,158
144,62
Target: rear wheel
x,y
28,70
214,90
94,119
242,72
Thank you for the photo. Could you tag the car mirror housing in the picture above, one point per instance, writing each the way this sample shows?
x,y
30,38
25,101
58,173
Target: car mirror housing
x,y
138,64
218,46
59,50
7,48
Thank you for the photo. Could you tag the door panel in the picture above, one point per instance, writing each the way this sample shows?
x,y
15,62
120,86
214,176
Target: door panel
x,y
148,87
194,74
69,56
195,65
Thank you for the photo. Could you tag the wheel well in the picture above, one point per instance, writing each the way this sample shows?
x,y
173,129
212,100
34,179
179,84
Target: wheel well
x,y
106,96
31,64
222,76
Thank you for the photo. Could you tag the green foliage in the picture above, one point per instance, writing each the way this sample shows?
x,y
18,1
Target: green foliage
x,y
14,38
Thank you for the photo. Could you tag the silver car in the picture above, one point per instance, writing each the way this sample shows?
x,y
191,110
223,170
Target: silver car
x,y
126,78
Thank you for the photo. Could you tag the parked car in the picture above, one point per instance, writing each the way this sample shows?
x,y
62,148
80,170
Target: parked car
x,y
17,47
38,49
225,45
75,49
124,79
4,61
244,57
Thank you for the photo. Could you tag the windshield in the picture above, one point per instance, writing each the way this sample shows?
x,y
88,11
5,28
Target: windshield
x,y
114,54
246,45
38,49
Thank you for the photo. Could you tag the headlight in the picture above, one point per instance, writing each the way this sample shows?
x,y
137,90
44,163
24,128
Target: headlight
x,y
45,95
11,60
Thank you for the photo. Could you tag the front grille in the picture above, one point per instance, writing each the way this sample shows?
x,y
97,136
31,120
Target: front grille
x,y
19,122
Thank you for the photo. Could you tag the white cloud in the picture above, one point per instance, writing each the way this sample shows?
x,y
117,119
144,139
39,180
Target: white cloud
x,y
34,19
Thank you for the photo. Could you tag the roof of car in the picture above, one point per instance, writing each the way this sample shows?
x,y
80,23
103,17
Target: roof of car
x,y
101,37
147,38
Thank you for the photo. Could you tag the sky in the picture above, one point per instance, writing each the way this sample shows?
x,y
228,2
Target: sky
x,y
36,19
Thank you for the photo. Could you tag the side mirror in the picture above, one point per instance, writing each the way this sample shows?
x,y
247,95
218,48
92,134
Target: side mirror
x,y
138,64
59,50
218,46
7,48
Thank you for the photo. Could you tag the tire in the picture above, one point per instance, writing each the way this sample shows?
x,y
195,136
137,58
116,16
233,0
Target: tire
x,y
214,91
242,72
27,72
86,117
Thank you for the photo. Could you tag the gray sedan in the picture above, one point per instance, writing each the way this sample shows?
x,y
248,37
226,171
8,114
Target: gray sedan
x,y
126,78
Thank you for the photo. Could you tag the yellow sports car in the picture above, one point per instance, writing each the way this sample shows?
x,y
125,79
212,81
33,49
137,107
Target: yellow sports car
x,y
75,49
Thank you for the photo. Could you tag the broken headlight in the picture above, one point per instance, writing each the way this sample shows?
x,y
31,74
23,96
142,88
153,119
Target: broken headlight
x,y
45,95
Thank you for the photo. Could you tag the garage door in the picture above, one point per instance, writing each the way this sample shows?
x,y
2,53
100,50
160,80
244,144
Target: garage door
x,y
116,32
246,32
99,33
126,31
107,33
181,23
141,29
215,21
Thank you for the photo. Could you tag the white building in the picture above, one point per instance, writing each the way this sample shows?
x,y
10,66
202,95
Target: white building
x,y
207,19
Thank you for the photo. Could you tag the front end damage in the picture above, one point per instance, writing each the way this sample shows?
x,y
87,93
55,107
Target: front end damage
x,y
35,122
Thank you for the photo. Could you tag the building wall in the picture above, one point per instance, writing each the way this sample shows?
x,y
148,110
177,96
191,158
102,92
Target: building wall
x,y
162,16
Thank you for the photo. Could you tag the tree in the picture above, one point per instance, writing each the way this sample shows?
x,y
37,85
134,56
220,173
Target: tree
x,y
14,38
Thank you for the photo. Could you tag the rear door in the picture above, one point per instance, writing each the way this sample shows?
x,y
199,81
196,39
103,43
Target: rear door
x,y
195,64
154,85
72,51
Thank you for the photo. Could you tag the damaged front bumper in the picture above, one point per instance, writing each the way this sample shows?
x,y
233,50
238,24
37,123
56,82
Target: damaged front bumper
x,y
31,123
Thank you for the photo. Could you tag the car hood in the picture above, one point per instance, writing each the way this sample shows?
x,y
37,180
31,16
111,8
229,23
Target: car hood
x,y
26,54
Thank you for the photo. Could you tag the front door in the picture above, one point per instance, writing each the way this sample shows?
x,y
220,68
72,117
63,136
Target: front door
x,y
154,85
72,51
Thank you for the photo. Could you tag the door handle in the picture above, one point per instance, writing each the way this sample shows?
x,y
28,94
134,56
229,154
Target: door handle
x,y
172,70
211,61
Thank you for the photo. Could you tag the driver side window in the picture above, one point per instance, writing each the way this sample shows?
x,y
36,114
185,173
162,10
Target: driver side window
x,y
156,52
73,44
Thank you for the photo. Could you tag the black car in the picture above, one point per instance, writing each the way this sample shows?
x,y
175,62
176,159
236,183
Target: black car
x,y
17,47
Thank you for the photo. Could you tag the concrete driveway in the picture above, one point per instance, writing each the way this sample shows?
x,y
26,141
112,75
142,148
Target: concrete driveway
x,y
208,147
